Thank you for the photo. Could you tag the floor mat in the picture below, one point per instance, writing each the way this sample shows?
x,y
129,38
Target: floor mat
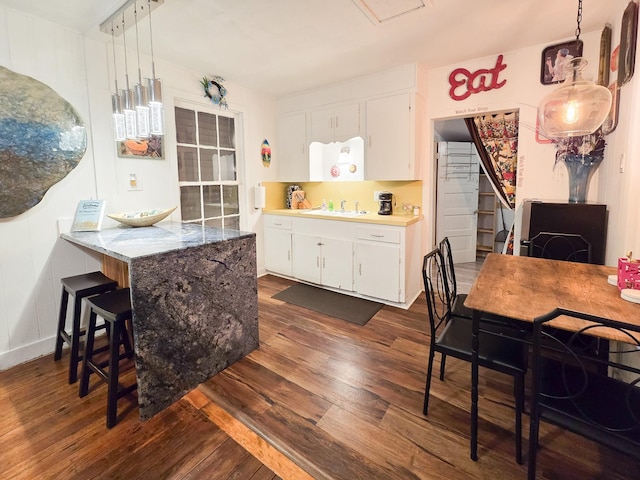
x,y
346,307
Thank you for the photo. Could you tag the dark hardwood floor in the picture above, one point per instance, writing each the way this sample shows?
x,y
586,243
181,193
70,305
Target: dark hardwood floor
x,y
321,398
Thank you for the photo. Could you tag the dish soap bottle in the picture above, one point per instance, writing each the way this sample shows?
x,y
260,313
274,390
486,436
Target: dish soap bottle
x,y
324,204
331,205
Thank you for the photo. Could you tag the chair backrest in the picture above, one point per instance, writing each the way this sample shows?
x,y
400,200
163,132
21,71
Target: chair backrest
x,y
597,397
570,247
449,270
435,289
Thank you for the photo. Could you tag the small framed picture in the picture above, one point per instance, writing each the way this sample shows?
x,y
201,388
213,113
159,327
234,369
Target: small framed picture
x,y
554,60
151,148
628,34
611,122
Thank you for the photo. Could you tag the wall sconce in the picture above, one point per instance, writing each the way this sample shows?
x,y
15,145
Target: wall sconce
x,y
578,107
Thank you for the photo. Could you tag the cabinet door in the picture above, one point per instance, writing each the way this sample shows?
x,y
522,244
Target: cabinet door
x,y
346,122
337,263
277,251
377,270
306,257
322,125
388,143
293,149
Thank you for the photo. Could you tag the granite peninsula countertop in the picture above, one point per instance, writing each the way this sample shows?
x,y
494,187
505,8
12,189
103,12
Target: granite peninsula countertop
x,y
370,217
127,243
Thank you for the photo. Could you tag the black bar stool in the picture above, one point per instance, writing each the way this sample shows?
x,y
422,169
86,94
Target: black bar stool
x,y
79,287
115,309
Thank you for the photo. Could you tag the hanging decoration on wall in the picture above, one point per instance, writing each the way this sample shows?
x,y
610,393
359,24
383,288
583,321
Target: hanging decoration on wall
x,y
215,91
265,152
628,35
42,138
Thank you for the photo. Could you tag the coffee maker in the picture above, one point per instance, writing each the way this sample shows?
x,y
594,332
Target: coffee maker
x,y
385,200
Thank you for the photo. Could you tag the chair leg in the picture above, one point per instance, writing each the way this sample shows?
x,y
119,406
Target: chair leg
x,y
442,363
533,445
74,359
64,300
88,355
519,385
114,370
427,388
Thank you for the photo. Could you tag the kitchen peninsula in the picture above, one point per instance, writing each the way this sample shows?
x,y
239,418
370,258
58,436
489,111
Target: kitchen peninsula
x,y
194,298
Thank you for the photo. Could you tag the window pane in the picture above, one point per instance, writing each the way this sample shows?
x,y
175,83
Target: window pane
x,y
208,164
190,203
214,222
230,195
185,126
207,129
187,164
227,132
232,222
212,203
227,165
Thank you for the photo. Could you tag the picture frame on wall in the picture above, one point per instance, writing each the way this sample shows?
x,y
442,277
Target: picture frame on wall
x,y
555,59
627,53
151,148
604,63
611,122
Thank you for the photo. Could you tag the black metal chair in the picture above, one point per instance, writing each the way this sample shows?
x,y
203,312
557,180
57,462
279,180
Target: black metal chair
x,y
500,348
560,246
456,299
598,398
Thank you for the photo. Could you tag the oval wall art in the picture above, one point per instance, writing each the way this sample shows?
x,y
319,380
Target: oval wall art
x,y
42,138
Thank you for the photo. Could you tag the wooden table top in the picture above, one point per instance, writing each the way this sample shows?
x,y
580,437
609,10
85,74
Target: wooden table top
x,y
524,288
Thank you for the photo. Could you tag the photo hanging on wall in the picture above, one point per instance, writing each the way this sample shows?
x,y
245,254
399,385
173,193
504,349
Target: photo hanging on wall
x,y
554,60
628,34
151,148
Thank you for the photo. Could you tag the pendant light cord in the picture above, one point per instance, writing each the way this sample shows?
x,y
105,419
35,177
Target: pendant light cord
x,y
115,69
135,17
579,20
153,65
126,65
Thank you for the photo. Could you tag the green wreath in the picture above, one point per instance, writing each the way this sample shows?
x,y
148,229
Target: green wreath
x,y
214,90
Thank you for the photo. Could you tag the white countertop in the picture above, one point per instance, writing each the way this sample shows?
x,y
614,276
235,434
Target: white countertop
x,y
370,217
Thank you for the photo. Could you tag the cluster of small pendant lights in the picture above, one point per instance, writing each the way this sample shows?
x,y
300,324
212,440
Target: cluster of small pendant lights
x,y
137,113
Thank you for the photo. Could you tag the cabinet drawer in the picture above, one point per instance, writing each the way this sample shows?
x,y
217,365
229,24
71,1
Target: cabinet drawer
x,y
378,235
274,221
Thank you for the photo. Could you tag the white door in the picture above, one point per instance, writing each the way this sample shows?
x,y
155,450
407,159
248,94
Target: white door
x,y
306,257
457,198
377,270
277,250
337,263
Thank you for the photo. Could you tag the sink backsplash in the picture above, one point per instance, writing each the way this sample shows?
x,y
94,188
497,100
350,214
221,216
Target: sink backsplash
x,y
405,194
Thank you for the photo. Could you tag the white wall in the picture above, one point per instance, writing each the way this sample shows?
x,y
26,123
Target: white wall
x,y
32,257
537,177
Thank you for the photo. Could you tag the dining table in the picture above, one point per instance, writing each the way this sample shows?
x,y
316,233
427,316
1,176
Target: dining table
x,y
520,289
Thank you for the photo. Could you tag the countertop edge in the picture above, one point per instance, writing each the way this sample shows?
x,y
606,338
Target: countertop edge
x,y
372,218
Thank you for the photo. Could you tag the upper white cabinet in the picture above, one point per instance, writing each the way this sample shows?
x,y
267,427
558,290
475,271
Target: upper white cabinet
x,y
293,148
335,124
393,144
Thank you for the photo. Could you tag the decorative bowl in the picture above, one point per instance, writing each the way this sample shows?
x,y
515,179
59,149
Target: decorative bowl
x,y
144,218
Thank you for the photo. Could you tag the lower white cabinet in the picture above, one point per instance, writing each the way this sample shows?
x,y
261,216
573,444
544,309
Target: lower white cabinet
x,y
324,261
366,260
277,245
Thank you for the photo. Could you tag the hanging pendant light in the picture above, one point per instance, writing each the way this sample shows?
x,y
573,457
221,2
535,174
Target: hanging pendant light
x,y
140,91
119,129
156,109
128,103
578,107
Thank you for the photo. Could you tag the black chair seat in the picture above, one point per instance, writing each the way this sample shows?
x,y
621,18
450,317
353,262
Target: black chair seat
x,y
498,351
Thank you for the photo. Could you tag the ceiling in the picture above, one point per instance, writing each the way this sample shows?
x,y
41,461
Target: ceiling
x,y
286,46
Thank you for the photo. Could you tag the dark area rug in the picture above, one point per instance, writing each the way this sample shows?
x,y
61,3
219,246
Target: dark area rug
x,y
351,309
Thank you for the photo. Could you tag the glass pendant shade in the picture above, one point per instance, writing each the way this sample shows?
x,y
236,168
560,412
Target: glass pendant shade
x,y
119,129
142,110
130,119
578,107
156,109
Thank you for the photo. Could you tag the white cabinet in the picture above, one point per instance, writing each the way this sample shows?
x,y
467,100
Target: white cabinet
x,y
324,261
378,263
292,149
277,244
394,140
336,123
361,259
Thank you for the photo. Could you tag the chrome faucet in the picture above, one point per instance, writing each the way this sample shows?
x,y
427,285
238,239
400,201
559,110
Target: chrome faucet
x,y
356,205
342,204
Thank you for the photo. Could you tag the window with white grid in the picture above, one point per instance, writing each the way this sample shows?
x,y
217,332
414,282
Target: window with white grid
x,y
207,167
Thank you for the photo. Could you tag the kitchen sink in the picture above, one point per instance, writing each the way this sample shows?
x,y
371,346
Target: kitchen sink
x,y
334,213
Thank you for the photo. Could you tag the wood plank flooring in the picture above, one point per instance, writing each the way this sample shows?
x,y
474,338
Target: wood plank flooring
x,y
345,402
320,399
